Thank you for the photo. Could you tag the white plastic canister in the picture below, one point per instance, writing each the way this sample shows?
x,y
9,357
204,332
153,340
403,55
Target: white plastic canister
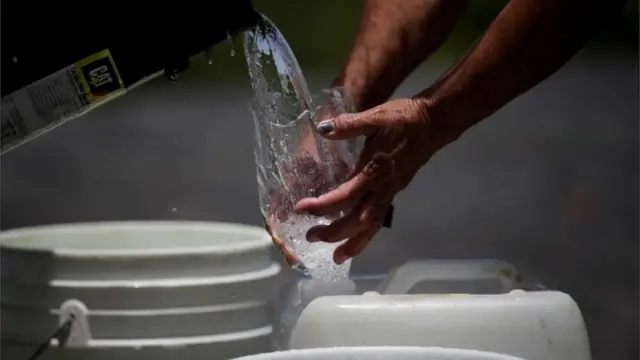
x,y
380,353
139,290
534,325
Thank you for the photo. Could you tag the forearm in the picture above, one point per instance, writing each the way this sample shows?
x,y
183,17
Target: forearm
x,y
394,37
527,42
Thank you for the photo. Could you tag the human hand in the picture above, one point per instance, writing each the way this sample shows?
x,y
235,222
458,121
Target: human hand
x,y
399,141
317,165
305,177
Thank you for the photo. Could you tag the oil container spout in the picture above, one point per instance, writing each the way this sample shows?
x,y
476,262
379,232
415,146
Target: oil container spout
x,y
205,30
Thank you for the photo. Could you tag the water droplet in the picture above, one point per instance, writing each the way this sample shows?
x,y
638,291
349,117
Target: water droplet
x,y
174,210
232,44
175,141
208,52
14,59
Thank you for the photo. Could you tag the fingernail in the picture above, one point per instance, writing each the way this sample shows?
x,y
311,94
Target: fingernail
x,y
325,127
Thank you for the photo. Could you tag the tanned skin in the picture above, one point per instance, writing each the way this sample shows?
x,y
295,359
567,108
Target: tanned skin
x,y
527,42
395,37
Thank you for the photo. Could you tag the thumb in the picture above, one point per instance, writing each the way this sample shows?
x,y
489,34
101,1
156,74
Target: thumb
x,y
348,126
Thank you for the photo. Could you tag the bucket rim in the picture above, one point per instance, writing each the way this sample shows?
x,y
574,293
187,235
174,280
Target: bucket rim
x,y
11,239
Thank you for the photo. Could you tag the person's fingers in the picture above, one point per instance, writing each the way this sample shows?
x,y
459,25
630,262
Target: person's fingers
x,y
344,197
371,216
374,210
340,229
365,156
355,245
341,171
374,176
348,126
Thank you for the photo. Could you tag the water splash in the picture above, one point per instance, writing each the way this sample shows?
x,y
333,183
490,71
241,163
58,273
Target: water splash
x,y
283,109
276,77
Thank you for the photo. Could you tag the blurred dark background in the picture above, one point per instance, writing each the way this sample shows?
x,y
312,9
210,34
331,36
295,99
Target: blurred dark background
x,y
549,183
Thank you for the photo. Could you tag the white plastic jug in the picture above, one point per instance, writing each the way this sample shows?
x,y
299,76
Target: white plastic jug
x,y
295,296
138,290
535,325
380,353
469,276
431,276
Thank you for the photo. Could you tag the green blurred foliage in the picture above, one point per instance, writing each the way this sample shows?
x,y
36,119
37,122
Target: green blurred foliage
x,y
321,32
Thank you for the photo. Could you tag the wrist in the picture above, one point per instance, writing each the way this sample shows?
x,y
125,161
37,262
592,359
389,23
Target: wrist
x,y
366,90
442,130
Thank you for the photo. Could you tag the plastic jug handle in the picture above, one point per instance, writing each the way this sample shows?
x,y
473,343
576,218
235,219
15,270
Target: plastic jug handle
x,y
403,278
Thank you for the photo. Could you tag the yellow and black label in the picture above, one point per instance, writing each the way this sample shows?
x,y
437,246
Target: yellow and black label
x,y
99,76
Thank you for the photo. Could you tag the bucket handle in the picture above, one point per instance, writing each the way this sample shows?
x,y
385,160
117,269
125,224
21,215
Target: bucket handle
x,y
75,312
72,331
403,278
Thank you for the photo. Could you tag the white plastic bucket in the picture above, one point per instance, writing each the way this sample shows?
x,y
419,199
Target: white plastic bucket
x,y
380,353
151,290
